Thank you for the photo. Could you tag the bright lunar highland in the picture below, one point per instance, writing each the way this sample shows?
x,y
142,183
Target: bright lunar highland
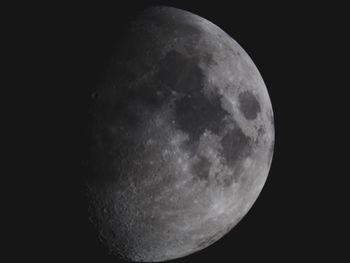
x,y
182,137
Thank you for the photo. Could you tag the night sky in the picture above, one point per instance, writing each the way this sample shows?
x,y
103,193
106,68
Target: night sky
x,y
69,47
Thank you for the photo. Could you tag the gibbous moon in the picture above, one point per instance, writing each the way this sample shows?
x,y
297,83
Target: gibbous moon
x,y
182,138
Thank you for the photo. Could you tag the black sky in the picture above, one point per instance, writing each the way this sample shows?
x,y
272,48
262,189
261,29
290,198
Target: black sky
x,y
292,45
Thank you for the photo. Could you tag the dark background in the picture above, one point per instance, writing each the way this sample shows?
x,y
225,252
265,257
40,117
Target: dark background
x,y
63,51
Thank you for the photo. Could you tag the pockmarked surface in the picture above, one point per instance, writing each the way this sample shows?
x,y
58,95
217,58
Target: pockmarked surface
x,y
182,138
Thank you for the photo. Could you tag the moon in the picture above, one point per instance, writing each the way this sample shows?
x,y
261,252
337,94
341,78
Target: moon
x,y
182,138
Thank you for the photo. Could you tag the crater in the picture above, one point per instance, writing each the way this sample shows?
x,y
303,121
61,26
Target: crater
x,y
248,105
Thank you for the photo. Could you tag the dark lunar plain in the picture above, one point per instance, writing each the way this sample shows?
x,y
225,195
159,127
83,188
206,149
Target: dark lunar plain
x,y
288,42
182,137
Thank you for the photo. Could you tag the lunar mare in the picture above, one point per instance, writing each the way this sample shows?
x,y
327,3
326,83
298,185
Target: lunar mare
x,y
182,138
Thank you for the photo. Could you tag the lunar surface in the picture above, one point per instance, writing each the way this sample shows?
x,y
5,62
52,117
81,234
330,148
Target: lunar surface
x,y
182,138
